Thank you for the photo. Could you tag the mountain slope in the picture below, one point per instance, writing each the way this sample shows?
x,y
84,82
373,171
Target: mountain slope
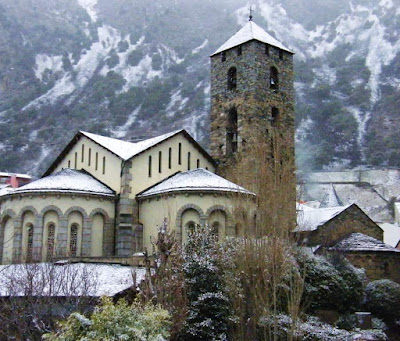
x,y
134,69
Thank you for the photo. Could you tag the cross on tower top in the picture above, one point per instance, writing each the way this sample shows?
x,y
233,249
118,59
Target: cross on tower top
x,y
251,13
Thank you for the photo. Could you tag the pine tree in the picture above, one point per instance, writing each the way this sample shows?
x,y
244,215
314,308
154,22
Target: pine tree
x,y
208,311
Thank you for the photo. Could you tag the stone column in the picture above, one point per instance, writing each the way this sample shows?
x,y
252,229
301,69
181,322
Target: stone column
x,y
86,245
62,237
17,241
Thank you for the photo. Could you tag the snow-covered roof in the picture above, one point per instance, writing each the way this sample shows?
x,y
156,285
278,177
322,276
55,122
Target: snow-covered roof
x,y
251,31
79,279
330,198
67,180
194,180
124,149
391,233
21,176
309,219
362,242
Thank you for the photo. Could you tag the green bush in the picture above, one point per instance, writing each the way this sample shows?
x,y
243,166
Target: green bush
x,y
116,322
382,298
330,286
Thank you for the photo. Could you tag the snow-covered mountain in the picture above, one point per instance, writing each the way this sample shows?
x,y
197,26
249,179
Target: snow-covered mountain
x,y
131,69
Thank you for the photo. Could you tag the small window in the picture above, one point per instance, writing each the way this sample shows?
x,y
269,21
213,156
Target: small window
x,y
274,116
267,49
73,243
83,153
215,229
104,165
274,78
159,162
198,163
232,79
239,51
223,56
280,54
180,154
97,161
69,163
29,247
190,228
170,158
206,168
150,166
90,156
51,229
189,161
76,160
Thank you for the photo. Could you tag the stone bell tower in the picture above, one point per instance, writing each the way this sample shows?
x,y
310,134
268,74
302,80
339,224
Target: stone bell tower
x,y
251,92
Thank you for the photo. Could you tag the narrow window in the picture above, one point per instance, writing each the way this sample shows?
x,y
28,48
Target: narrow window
x,y
232,132
76,160
223,56
239,51
51,230
206,168
73,243
97,161
267,49
280,54
180,154
83,153
150,166
69,163
215,230
104,165
29,246
274,116
274,78
190,228
198,163
232,79
189,161
170,158
90,156
159,162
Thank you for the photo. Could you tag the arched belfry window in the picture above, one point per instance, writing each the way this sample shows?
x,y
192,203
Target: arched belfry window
x,y
232,79
232,132
274,78
29,246
274,116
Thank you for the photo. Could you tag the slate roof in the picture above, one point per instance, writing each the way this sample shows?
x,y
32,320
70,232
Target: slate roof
x,y
309,219
391,233
251,31
124,149
362,242
193,180
67,180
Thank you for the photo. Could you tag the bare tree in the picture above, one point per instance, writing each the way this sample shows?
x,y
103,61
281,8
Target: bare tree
x,y
35,295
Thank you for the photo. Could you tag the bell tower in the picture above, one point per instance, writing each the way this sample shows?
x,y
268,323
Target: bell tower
x,y
252,94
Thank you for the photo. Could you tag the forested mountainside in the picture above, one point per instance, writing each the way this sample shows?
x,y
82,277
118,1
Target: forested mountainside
x,y
132,69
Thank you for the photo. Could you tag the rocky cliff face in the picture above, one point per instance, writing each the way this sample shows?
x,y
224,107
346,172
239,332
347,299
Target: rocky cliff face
x,y
133,69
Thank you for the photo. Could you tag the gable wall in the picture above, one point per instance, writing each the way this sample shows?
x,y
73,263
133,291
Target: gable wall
x,y
112,175
140,164
352,220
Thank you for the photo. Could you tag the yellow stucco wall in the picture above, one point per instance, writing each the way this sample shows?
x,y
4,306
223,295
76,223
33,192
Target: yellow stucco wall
x,y
153,212
112,175
140,164
40,203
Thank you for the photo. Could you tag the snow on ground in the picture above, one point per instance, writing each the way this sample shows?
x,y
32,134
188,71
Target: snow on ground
x,y
67,279
89,6
199,48
45,62
122,130
362,120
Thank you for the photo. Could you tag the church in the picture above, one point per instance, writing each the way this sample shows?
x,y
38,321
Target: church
x,y
103,197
